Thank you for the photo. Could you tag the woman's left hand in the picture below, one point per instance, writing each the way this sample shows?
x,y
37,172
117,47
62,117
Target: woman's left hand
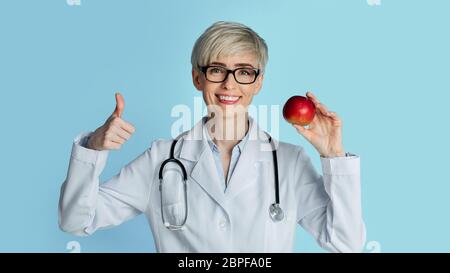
x,y
325,131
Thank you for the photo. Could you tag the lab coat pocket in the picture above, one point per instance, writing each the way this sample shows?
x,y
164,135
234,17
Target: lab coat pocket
x,y
280,235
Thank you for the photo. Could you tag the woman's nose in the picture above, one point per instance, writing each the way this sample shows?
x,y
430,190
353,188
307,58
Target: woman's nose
x,y
230,82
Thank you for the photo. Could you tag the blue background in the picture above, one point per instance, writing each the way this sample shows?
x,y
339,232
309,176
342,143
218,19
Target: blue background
x,y
384,69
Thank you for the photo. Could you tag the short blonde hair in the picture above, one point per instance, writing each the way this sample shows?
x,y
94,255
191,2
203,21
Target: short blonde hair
x,y
225,39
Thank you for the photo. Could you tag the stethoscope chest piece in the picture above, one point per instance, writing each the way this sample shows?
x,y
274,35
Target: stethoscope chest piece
x,y
276,212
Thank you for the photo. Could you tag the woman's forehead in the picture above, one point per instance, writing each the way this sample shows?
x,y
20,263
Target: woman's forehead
x,y
236,60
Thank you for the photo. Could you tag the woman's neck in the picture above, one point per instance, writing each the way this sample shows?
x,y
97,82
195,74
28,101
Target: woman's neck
x,y
226,132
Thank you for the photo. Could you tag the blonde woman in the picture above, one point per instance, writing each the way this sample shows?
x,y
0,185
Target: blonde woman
x,y
217,188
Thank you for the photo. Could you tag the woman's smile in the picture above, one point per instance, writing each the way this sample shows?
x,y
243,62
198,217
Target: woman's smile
x,y
228,99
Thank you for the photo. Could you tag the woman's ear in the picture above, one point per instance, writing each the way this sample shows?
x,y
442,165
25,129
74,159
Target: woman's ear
x,y
258,84
196,80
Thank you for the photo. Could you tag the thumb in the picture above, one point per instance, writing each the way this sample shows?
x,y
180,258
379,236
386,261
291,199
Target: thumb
x,y
120,104
303,131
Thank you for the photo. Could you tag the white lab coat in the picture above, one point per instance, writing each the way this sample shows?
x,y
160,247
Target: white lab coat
x,y
235,220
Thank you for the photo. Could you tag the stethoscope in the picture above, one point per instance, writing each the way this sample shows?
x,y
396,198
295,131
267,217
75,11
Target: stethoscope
x,y
275,211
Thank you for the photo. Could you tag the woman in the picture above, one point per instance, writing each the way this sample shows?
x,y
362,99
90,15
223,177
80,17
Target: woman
x,y
229,202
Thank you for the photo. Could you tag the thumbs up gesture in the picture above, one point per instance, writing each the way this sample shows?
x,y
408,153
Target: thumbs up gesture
x,y
115,131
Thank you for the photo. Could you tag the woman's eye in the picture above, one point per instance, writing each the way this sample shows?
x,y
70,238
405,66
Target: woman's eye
x,y
245,72
216,70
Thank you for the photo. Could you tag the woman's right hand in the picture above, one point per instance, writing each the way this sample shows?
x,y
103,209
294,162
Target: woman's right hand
x,y
115,131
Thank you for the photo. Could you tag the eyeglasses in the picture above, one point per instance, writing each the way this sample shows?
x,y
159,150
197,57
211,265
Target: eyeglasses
x,y
243,75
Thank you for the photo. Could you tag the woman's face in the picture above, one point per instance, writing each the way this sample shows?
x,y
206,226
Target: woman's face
x,y
229,97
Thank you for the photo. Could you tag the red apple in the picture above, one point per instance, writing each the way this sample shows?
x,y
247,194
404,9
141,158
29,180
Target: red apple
x,y
299,110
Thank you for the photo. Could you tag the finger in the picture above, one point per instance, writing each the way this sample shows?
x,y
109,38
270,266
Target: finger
x,y
120,104
320,106
336,119
316,102
303,131
113,137
112,145
334,116
120,123
122,133
312,97
127,126
322,109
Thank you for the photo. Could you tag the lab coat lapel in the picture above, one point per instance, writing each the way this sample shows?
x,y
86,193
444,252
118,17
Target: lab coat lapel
x,y
205,174
255,152
194,148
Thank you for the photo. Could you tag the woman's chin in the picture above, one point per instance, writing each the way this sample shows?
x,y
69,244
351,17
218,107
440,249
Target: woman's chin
x,y
227,111
230,111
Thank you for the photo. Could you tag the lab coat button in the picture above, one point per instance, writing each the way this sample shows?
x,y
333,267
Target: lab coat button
x,y
223,224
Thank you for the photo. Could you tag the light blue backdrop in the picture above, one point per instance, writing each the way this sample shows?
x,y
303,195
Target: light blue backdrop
x,y
383,68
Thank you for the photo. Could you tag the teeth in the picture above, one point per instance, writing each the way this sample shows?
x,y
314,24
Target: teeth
x,y
228,98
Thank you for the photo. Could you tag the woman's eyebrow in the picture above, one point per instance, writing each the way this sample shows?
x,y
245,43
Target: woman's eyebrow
x,y
244,64
236,65
219,64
